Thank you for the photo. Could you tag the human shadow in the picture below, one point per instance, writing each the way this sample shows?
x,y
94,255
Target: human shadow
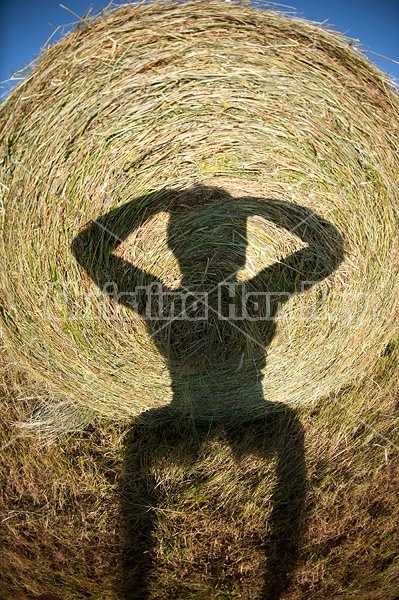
x,y
213,332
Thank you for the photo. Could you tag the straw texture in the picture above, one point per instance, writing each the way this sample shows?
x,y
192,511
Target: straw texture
x,y
158,121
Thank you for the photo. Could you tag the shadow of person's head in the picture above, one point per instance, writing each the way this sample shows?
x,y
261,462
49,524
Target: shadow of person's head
x,y
207,233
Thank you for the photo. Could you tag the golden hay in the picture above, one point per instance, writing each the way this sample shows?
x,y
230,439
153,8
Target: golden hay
x,y
178,127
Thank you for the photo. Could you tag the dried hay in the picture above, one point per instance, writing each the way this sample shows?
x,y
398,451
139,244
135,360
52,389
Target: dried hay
x,y
181,128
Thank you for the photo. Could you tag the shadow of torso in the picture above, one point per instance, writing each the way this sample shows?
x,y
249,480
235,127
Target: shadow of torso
x,y
215,364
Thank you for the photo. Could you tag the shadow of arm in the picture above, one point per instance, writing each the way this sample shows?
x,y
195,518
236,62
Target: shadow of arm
x,y
94,246
308,266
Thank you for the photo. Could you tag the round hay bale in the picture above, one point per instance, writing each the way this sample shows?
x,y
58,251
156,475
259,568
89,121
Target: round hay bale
x,y
181,143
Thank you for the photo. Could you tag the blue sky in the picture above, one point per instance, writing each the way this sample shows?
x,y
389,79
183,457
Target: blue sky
x,y
26,25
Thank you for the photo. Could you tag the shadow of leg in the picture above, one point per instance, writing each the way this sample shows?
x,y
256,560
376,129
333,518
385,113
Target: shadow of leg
x,y
280,434
138,501
158,440
288,499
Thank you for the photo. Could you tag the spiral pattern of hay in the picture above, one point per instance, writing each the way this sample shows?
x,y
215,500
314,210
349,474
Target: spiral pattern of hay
x,y
205,111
